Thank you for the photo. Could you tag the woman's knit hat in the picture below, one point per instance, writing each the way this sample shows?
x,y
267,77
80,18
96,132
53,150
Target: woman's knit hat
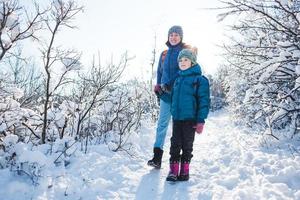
x,y
176,29
188,53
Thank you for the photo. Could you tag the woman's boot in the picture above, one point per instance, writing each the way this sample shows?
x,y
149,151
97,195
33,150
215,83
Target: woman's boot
x,y
156,160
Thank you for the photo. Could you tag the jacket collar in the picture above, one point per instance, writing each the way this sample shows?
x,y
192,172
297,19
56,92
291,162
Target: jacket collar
x,y
194,70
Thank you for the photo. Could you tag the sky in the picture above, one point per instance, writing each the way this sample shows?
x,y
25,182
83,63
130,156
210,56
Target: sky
x,y
116,26
110,28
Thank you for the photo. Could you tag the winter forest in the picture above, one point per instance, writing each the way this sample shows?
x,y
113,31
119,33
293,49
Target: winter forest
x,y
69,130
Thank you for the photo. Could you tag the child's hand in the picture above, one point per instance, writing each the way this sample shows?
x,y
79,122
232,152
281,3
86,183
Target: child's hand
x,y
199,128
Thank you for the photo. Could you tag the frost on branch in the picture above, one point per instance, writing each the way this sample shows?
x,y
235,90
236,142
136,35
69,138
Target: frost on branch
x,y
264,65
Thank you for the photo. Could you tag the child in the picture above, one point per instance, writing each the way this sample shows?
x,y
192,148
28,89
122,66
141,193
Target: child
x,y
167,71
189,108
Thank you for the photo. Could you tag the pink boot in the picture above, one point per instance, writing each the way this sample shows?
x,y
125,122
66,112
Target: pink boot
x,y
174,169
184,171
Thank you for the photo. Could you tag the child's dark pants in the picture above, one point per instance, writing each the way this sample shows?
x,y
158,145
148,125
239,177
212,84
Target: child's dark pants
x,y
182,139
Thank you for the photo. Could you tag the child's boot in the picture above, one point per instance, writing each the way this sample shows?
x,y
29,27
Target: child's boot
x,y
174,169
184,171
156,160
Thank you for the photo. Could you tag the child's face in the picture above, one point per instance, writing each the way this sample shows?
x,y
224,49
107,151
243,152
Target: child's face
x,y
174,39
184,63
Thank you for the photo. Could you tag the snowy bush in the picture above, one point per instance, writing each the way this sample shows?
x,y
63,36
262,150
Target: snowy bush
x,y
263,59
8,151
24,75
101,110
122,115
16,24
15,120
63,149
98,111
148,99
21,160
30,163
217,90
216,103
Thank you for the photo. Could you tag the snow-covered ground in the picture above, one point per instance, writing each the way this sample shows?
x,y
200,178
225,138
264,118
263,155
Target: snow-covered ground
x,y
227,164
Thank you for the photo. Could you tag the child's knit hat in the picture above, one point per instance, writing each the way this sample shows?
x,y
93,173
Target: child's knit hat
x,y
188,53
176,29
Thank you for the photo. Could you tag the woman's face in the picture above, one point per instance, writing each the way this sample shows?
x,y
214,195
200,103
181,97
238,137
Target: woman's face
x,y
174,39
184,63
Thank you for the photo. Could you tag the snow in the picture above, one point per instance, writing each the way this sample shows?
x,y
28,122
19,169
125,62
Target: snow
x,y
17,93
298,69
2,126
30,156
268,72
13,104
298,16
283,54
3,106
297,82
296,54
279,113
284,44
10,140
227,164
12,19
